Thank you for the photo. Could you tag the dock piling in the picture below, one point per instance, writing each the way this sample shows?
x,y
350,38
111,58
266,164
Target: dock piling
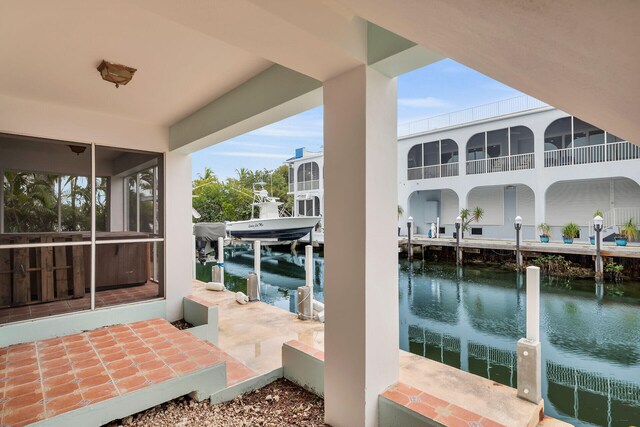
x,y
529,352
256,264
221,259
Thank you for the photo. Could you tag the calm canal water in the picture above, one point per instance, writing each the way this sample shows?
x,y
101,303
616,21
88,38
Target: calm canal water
x,y
471,318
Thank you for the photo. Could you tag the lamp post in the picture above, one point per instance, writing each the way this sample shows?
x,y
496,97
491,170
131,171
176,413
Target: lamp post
x,y
409,235
518,226
597,226
458,223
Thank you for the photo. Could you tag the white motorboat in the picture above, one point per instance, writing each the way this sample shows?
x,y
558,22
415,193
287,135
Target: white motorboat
x,y
270,223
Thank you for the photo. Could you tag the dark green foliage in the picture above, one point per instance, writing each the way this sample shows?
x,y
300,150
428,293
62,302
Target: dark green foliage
x,y
230,200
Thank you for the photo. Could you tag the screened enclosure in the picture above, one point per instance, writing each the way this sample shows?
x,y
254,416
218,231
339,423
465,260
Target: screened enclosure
x,y
81,227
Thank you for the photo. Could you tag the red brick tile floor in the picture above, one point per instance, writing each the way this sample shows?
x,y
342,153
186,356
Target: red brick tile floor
x,y
41,379
104,298
436,409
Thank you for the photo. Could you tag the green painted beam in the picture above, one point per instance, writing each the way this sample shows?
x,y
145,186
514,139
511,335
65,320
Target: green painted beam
x,y
393,55
259,101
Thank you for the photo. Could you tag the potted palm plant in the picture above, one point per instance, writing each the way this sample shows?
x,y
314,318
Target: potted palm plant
x,y
592,238
545,232
468,216
628,231
569,232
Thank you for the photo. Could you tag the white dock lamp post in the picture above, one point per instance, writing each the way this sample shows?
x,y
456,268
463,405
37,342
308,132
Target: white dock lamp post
x,y
518,226
409,233
458,224
597,226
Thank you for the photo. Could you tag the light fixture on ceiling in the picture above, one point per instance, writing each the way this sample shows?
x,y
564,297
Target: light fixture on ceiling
x,y
116,73
77,149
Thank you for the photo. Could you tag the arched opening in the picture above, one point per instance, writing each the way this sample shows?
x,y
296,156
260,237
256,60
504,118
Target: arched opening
x,y
309,206
501,204
433,159
308,176
499,150
571,141
426,206
577,201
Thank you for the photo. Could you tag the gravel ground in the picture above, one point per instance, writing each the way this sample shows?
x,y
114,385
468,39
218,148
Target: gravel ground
x,y
280,403
182,324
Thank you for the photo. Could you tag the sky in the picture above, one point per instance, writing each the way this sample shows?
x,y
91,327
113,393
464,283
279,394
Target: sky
x,y
439,88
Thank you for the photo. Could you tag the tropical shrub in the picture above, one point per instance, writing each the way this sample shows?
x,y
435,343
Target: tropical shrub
x,y
571,230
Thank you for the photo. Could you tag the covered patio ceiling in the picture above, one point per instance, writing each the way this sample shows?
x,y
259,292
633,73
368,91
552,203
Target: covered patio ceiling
x,y
580,56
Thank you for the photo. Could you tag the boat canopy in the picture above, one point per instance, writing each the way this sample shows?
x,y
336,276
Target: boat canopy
x,y
209,231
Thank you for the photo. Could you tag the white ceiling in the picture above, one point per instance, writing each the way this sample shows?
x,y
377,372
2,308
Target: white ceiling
x,y
582,56
49,51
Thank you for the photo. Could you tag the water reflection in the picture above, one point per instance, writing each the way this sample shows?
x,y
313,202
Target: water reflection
x,y
471,318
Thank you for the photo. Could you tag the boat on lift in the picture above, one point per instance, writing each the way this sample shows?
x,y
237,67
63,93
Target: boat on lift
x,y
270,222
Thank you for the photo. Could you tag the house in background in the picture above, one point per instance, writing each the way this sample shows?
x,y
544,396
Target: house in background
x,y
516,157
208,71
306,183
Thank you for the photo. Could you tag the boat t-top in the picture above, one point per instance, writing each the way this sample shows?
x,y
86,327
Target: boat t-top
x,y
271,222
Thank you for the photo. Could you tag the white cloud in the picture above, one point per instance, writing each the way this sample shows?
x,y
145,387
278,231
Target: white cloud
x,y
251,154
254,145
427,102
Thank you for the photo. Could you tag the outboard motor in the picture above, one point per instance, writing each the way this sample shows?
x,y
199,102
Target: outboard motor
x,y
202,255
208,233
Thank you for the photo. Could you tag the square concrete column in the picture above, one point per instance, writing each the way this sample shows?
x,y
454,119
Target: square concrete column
x,y
361,259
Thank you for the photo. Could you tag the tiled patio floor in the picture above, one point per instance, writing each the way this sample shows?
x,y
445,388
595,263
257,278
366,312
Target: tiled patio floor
x,y
42,379
254,333
444,412
104,298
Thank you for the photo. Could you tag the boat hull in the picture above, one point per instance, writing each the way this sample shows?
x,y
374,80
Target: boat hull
x,y
282,229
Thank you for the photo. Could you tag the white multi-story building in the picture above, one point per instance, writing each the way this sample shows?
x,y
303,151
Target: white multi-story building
x,y
306,177
513,157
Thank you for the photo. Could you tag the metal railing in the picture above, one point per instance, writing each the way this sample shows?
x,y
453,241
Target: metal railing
x,y
501,164
616,217
610,152
480,112
434,171
309,185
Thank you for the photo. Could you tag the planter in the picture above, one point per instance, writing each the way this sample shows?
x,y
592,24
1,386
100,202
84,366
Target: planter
x,y
621,241
567,240
544,239
592,239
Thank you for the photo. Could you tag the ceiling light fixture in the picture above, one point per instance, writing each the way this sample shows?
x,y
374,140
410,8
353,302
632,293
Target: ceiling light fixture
x,y
116,73
77,149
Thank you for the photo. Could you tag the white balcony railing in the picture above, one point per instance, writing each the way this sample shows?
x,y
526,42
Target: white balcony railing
x,y
309,185
434,171
501,164
591,154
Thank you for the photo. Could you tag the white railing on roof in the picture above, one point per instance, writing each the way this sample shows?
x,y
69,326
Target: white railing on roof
x,y
501,164
480,112
609,152
434,171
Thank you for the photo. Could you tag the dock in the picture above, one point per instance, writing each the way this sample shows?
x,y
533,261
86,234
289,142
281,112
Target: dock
x,y
527,247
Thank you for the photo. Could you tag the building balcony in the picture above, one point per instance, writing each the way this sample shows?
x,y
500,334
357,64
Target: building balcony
x,y
434,171
501,164
309,185
609,152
